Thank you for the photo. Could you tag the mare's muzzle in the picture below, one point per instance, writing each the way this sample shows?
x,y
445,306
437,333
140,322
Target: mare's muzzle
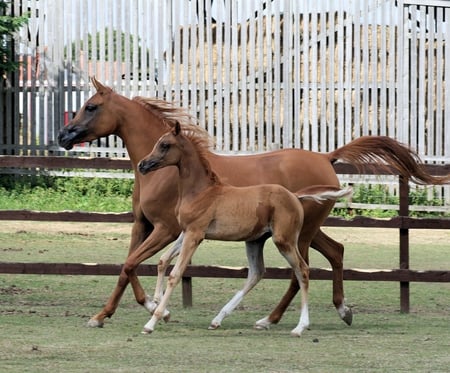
x,y
69,136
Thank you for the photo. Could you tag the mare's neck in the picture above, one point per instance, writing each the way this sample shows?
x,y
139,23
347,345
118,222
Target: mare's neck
x,y
139,129
195,178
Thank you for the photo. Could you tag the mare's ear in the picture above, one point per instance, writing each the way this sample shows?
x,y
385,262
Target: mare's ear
x,y
177,129
99,86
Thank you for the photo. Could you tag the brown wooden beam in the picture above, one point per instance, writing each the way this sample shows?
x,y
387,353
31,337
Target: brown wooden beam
x,y
395,275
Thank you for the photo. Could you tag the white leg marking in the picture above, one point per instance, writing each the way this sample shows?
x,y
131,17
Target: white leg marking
x,y
93,323
303,323
263,324
150,326
226,310
255,259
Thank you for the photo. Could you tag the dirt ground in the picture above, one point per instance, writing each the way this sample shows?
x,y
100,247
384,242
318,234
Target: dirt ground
x,y
361,235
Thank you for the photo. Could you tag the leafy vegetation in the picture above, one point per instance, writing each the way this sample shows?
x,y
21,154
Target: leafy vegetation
x,y
8,26
51,193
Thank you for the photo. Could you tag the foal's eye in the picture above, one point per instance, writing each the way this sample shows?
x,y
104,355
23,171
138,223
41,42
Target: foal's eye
x,y
164,146
91,107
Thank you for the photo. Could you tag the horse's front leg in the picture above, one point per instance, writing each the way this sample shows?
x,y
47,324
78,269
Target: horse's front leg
x,y
157,240
163,264
190,243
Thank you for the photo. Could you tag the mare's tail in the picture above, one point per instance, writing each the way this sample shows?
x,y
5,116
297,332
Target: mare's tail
x,y
319,193
389,154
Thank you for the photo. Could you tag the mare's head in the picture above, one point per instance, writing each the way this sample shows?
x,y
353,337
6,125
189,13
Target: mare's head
x,y
166,152
97,118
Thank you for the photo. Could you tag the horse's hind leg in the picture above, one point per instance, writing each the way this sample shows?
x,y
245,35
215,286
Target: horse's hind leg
x,y
301,270
255,258
334,252
294,286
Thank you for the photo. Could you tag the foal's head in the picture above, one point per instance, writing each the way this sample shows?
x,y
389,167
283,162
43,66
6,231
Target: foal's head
x,y
166,152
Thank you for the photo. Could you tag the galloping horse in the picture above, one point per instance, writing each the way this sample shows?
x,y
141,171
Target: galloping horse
x,y
208,208
141,122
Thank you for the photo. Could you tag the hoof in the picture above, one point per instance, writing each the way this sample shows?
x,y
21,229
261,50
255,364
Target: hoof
x,y
166,317
261,327
150,305
347,316
94,323
146,331
296,334
263,324
214,326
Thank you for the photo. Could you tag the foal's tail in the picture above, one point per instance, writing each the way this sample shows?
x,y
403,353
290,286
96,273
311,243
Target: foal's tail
x,y
319,193
389,154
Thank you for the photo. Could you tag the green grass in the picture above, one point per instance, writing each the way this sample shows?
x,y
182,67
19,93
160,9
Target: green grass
x,y
43,318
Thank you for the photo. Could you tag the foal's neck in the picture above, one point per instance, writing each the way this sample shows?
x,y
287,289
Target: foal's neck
x,y
195,174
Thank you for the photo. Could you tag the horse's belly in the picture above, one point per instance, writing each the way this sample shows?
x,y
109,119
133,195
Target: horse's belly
x,y
224,234
236,228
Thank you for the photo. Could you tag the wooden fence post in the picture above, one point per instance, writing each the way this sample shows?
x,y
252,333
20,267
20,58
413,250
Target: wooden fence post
x,y
186,291
404,243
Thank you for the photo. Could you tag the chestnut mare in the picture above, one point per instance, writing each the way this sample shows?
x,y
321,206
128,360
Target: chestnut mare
x,y
141,122
208,208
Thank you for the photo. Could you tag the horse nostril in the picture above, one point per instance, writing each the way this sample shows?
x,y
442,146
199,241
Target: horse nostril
x,y
141,167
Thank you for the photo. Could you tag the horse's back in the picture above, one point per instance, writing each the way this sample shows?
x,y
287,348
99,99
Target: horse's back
x,y
292,168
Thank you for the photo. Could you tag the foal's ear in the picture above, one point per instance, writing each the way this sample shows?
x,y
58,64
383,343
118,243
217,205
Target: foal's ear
x,y
177,129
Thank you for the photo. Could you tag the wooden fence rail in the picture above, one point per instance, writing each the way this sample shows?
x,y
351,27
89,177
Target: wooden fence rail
x,y
403,223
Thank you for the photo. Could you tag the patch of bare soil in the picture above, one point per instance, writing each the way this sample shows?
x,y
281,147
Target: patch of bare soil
x,y
385,236
74,228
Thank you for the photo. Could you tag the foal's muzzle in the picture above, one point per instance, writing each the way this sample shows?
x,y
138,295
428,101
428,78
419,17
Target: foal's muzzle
x,y
145,166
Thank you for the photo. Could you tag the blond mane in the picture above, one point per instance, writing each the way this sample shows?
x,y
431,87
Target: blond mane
x,y
169,113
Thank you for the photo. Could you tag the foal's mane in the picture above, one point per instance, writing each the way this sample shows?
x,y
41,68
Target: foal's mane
x,y
201,146
170,114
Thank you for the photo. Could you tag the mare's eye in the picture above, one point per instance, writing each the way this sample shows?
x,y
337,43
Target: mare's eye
x,y
91,107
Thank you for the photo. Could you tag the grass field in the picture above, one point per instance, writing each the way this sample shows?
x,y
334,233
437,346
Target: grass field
x,y
43,318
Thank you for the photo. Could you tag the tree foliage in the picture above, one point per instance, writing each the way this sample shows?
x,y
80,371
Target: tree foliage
x,y
9,24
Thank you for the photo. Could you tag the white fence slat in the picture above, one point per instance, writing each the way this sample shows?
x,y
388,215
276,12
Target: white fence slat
x,y
257,74
356,130
439,96
251,77
417,105
430,123
393,69
446,97
226,77
306,83
314,74
383,77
